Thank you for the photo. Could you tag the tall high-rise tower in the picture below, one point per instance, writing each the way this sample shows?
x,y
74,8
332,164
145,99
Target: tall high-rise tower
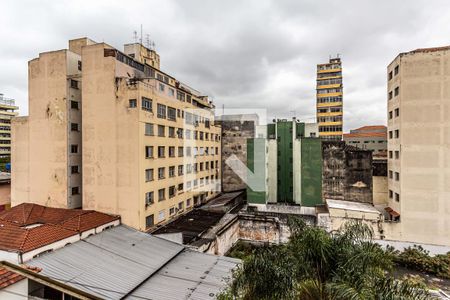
x,y
329,99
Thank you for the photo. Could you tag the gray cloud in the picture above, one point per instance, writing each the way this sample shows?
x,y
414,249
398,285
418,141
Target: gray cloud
x,y
255,53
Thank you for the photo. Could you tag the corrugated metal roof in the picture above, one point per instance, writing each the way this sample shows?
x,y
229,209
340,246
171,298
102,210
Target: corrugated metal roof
x,y
349,205
191,275
113,263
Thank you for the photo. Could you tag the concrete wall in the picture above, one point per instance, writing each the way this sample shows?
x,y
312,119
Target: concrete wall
x,y
423,144
45,146
235,132
16,291
347,173
380,190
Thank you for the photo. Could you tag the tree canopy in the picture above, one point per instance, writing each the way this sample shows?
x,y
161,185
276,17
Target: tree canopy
x,y
315,264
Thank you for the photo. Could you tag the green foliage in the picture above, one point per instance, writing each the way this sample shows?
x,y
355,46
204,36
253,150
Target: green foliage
x,y
417,258
241,250
317,265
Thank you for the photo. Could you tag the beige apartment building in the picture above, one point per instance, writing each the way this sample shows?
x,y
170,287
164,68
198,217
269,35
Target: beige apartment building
x,y
46,145
419,146
150,149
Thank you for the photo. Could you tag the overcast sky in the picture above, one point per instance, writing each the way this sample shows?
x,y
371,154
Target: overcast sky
x,y
250,54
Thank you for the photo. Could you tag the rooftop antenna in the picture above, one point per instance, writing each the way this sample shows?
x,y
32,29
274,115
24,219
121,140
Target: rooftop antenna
x,y
147,41
140,40
135,36
338,55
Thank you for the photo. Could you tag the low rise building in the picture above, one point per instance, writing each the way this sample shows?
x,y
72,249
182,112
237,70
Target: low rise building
x,y
373,138
121,263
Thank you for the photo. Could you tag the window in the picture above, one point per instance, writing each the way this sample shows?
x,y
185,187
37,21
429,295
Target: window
x,y
132,103
162,215
161,194
390,115
73,148
149,129
180,205
171,132
188,134
74,126
161,111
73,84
180,187
390,134
391,174
149,221
397,197
201,166
161,130
188,185
180,170
397,134
75,190
188,151
162,87
148,151
74,170
149,175
397,112
396,70
188,202
172,191
390,154
161,173
172,171
396,91
74,104
391,194
180,133
397,176
79,65
397,154
390,75
149,198
171,114
146,104
217,150
171,151
390,95
171,211
171,92
180,151
189,168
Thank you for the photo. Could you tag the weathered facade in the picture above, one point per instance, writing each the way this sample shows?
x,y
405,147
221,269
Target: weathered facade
x,y
236,129
347,172
142,144
46,145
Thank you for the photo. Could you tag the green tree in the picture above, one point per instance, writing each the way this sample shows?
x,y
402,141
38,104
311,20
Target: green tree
x,y
317,265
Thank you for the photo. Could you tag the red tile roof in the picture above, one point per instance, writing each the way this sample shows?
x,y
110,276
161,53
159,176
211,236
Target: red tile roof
x,y
8,278
368,131
53,224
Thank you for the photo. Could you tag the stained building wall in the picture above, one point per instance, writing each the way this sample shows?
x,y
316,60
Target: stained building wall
x,y
235,132
347,173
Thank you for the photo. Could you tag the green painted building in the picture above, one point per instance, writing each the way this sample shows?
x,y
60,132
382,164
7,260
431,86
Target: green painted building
x,y
288,163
